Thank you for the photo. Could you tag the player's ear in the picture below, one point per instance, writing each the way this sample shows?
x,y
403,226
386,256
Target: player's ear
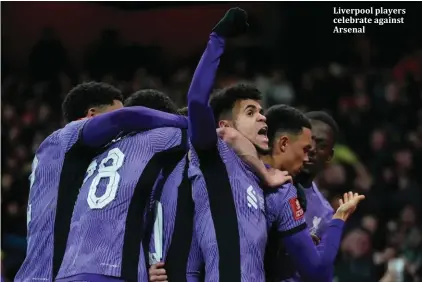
x,y
224,123
91,112
283,142
330,157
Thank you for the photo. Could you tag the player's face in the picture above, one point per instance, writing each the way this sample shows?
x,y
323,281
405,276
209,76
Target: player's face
x,y
251,122
322,149
296,151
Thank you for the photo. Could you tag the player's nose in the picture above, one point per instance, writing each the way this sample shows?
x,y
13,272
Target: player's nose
x,y
306,157
261,117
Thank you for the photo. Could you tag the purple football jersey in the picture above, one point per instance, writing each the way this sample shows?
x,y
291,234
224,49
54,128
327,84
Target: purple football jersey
x,y
210,211
318,212
283,210
285,217
44,183
99,233
165,215
171,233
317,216
195,268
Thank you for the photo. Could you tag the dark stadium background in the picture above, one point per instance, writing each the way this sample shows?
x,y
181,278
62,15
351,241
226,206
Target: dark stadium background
x,y
370,83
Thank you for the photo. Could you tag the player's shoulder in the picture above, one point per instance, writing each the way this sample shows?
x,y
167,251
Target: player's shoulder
x,y
276,199
287,190
74,126
322,198
51,141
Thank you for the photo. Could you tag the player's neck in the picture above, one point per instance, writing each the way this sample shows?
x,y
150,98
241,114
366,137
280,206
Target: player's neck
x,y
270,160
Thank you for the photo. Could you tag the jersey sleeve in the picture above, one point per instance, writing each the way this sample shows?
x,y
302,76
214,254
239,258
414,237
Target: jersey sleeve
x,y
101,129
284,212
314,263
201,118
71,133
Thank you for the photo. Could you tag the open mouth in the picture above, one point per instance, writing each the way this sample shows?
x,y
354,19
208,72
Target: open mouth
x,y
263,131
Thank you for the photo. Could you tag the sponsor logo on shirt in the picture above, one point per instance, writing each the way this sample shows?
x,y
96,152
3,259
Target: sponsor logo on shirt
x,y
297,210
315,224
254,201
251,197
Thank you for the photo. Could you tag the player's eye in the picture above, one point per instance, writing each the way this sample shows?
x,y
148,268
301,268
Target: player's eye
x,y
249,113
321,146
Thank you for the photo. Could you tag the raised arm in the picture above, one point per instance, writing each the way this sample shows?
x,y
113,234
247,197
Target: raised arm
x,y
313,263
101,129
201,118
200,115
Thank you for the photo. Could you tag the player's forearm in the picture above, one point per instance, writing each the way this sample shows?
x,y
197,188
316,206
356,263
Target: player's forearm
x,y
244,149
101,129
238,142
201,117
315,264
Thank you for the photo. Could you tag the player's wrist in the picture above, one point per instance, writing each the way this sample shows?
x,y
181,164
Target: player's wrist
x,y
340,215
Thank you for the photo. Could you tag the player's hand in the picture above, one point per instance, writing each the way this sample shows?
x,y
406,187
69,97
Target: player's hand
x,y
234,23
275,178
157,272
348,205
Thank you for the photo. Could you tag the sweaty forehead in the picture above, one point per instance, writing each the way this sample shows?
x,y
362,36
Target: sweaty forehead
x,y
321,130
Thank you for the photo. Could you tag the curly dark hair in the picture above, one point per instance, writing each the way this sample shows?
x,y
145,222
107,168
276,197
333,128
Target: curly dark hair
x,y
87,95
153,99
223,100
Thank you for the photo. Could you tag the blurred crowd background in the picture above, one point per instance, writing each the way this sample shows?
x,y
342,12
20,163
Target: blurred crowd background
x,y
371,84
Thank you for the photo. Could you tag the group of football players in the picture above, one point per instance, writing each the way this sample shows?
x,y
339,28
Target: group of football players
x,y
219,191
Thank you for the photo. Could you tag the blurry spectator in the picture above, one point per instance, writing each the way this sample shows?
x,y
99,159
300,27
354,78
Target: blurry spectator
x,y
276,89
105,56
356,262
48,56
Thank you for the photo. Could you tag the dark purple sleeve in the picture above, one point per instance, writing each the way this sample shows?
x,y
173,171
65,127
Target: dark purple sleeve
x,y
101,129
315,263
201,118
330,268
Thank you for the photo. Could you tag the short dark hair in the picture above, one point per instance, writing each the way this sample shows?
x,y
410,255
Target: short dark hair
x,y
183,111
325,118
153,99
223,100
283,118
87,95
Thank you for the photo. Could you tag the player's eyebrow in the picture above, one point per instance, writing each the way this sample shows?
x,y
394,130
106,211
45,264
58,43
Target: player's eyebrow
x,y
255,108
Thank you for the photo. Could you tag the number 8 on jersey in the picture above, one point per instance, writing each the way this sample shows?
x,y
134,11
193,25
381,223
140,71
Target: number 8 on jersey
x,y
108,170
